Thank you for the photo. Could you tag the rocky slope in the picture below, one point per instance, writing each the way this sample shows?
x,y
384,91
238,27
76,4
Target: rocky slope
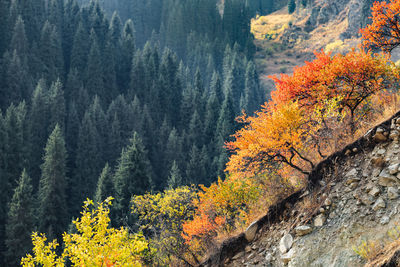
x,y
352,196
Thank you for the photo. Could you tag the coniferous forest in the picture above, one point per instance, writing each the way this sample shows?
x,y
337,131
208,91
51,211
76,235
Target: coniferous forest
x,y
115,98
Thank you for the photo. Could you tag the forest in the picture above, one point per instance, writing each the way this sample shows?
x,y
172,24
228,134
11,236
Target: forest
x,y
114,96
149,116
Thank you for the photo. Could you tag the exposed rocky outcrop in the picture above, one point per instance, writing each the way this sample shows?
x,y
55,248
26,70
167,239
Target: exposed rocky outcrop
x,y
356,12
354,195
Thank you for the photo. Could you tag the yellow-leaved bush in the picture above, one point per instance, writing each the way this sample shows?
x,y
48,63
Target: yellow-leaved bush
x,y
95,243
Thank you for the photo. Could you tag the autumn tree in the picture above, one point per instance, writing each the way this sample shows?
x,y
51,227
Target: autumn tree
x,y
275,135
161,217
222,207
353,77
384,31
95,243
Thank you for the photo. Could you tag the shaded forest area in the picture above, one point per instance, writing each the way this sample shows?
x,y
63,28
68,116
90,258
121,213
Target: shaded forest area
x,y
95,103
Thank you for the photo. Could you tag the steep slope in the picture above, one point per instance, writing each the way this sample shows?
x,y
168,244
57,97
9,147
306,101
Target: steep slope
x,y
352,196
286,40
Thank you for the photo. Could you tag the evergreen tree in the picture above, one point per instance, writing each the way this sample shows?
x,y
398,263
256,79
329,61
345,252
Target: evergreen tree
x,y
16,149
57,106
21,221
16,79
52,211
80,50
105,186
94,73
38,124
51,56
19,42
90,157
132,175
174,178
291,6
4,185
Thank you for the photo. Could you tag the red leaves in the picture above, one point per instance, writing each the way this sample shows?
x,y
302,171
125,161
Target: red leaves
x,y
384,32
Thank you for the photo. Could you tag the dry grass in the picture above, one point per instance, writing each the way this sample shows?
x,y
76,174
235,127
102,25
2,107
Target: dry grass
x,y
270,25
385,255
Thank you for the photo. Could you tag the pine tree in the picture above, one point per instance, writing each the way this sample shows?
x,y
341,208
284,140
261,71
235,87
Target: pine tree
x,y
19,42
52,211
291,6
128,50
17,79
174,178
80,50
226,119
51,56
90,157
21,221
132,175
38,124
94,73
16,148
105,186
57,106
4,198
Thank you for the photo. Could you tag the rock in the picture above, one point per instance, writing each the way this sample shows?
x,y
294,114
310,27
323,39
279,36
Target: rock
x,y
394,168
319,220
394,135
251,231
378,162
247,249
352,180
376,172
393,193
367,200
355,150
375,191
381,151
354,185
352,172
268,257
385,220
238,256
321,210
379,204
286,258
386,179
286,243
251,256
303,230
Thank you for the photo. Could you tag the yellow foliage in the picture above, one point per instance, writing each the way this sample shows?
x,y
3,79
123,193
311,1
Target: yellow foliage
x,y
94,244
162,215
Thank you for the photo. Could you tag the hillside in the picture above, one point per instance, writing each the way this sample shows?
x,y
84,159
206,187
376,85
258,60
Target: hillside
x,y
348,212
286,40
352,197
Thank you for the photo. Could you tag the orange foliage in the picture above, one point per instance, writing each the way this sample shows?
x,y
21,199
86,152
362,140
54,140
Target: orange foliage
x,y
353,78
219,208
384,32
275,134
307,110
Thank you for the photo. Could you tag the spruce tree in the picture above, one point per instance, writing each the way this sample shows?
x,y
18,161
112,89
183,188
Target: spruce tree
x,y
132,175
52,211
19,42
174,178
80,50
94,73
20,221
291,6
4,185
38,124
105,186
